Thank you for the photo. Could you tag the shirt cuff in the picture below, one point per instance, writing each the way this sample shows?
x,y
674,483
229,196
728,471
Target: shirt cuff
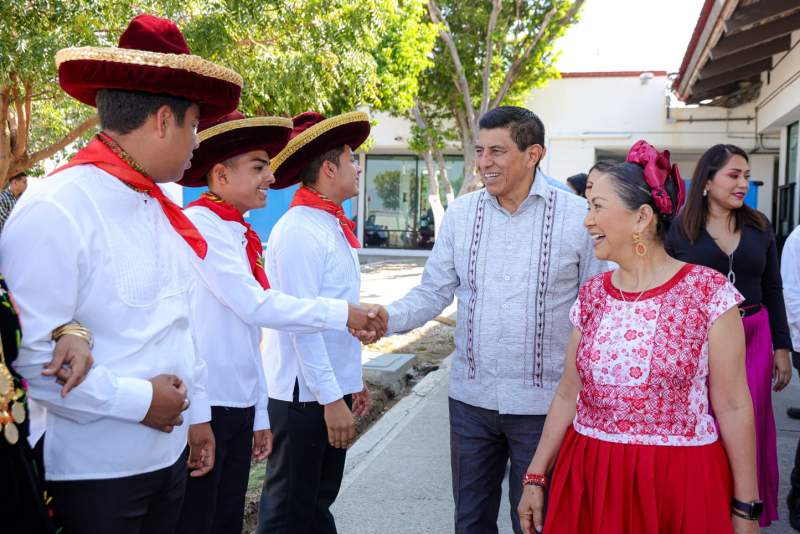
x,y
328,393
133,399
200,409
337,314
395,322
261,421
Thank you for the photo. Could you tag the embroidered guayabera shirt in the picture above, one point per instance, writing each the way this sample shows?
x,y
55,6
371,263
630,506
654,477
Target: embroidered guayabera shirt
x,y
515,276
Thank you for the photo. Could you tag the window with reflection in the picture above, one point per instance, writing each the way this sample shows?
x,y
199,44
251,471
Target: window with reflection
x,y
397,213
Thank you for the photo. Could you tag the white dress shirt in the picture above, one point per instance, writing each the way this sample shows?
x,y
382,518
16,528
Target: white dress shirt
x,y
308,256
83,246
790,273
231,307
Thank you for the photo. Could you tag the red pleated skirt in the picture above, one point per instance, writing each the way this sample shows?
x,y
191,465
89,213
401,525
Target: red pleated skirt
x,y
600,487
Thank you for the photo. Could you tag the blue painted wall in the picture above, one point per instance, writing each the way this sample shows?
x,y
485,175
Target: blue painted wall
x,y
263,220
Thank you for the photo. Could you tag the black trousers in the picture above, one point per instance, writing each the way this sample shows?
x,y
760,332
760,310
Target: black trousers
x,y
140,504
304,472
215,503
482,442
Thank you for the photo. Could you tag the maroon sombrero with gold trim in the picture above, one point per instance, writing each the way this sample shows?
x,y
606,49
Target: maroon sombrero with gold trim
x,y
231,135
313,135
152,57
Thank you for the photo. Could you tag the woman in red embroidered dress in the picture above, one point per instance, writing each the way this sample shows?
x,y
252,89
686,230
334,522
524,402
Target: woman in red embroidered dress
x,y
657,343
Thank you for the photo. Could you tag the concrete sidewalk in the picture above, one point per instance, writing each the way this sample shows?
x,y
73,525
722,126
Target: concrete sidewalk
x,y
397,477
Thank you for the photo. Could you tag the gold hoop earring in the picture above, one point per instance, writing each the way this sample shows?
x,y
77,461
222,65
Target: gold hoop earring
x,y
638,245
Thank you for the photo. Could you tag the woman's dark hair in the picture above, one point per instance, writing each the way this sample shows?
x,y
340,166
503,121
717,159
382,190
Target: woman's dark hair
x,y
602,165
578,183
628,180
695,212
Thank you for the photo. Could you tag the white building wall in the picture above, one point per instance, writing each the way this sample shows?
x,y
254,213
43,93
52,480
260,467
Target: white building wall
x,y
779,101
588,117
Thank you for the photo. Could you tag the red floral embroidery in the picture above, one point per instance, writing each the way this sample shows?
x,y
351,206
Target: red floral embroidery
x,y
644,365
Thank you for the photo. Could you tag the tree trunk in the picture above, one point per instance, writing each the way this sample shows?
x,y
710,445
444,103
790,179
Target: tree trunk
x,y
434,200
5,134
468,142
449,195
29,160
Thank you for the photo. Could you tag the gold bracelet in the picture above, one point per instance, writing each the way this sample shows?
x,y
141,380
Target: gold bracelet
x,y
75,329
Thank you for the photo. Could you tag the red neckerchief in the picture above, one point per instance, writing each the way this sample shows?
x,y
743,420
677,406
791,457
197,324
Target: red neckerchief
x,y
307,196
104,153
226,212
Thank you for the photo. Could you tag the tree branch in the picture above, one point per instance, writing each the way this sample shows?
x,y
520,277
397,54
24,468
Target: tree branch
x,y
22,111
519,61
487,65
5,141
45,153
461,80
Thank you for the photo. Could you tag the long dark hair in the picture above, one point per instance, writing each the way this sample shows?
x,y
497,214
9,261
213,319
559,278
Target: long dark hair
x,y
695,212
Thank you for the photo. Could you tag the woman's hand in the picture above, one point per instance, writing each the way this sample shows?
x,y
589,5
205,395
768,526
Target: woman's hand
x,y
531,509
72,361
744,526
781,369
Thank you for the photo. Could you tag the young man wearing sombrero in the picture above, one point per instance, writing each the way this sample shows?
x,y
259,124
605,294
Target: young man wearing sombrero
x,y
99,243
233,302
314,379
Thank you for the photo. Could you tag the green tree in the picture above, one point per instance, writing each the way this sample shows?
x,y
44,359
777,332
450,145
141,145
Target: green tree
x,y
488,53
294,55
387,185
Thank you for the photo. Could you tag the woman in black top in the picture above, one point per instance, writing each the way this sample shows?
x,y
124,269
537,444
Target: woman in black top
x,y
718,230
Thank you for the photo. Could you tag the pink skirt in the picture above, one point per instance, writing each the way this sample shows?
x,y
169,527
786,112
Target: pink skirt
x,y
759,377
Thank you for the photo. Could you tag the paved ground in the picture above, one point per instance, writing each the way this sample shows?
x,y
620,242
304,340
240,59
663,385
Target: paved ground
x,y
398,474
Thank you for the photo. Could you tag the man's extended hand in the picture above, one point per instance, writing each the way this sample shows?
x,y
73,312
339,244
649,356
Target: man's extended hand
x,y
373,332
340,423
371,318
169,400
72,361
362,402
262,444
201,449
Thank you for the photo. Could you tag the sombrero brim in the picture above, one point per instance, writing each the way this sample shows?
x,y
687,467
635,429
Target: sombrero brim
x,y
229,139
350,129
84,71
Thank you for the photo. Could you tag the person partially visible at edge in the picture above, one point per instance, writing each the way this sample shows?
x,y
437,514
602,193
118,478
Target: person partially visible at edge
x,y
578,183
99,243
514,253
314,379
656,362
717,229
233,302
17,185
790,273
25,505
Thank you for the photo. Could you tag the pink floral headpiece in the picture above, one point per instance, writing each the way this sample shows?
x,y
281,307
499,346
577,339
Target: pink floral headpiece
x,y
657,170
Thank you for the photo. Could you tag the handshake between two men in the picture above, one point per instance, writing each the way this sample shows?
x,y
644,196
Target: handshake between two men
x,y
367,322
